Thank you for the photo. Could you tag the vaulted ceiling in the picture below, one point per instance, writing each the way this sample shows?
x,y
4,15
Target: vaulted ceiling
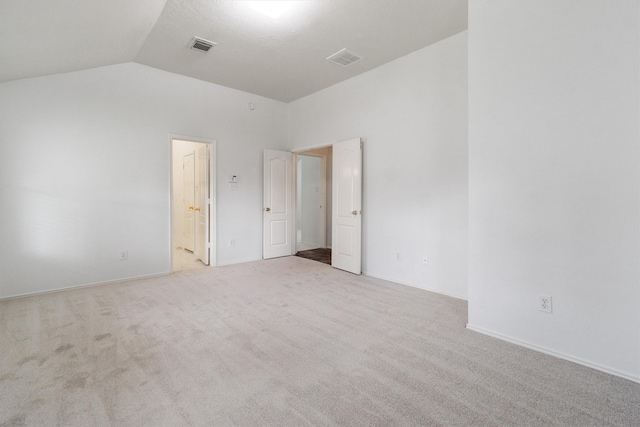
x,y
283,58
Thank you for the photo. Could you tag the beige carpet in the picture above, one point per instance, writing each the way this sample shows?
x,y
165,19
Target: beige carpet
x,y
286,342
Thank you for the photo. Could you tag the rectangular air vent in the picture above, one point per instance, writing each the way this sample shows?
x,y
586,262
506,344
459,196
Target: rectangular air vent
x,y
344,57
202,45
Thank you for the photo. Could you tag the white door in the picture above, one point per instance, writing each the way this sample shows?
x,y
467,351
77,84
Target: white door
x,y
346,234
278,207
188,170
201,204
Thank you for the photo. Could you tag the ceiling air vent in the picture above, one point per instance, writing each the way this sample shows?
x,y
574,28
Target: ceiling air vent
x,y
344,57
201,44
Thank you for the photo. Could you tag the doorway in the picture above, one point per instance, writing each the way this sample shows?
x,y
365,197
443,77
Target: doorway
x,y
313,204
311,201
192,204
279,217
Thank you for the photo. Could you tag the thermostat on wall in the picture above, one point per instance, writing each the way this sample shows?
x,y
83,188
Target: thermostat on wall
x,y
233,178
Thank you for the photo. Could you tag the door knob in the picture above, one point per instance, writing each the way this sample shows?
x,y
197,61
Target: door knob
x,y
196,209
190,208
354,213
268,209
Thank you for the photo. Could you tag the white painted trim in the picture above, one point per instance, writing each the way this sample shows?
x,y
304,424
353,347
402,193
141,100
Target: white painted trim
x,y
244,261
315,147
89,285
424,288
213,206
191,139
553,353
294,203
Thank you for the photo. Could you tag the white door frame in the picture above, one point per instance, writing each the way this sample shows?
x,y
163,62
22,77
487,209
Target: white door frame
x,y
213,217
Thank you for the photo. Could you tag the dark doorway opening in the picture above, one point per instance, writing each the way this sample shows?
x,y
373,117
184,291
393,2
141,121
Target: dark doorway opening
x,y
321,255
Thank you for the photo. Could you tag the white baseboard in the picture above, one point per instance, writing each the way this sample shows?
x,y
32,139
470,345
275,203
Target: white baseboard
x,y
424,288
89,285
553,353
242,261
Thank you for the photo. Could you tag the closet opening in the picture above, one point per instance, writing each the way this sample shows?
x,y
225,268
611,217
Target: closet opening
x,y
313,204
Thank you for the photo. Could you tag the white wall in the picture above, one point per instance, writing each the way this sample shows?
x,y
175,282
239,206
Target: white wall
x,y
327,153
310,200
554,177
412,114
85,172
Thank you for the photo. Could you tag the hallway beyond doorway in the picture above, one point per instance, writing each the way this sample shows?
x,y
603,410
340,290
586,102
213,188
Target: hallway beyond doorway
x,y
320,254
185,260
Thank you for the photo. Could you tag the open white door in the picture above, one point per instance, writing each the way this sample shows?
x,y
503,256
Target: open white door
x,y
188,167
278,204
346,253
202,204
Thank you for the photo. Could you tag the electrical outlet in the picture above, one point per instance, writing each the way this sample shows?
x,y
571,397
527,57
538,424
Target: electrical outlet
x,y
124,254
544,303
397,256
232,242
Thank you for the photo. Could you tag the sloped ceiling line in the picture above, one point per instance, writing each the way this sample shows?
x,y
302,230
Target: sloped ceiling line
x,y
282,59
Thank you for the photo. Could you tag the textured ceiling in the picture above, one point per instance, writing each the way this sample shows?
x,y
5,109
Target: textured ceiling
x,y
40,37
282,59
